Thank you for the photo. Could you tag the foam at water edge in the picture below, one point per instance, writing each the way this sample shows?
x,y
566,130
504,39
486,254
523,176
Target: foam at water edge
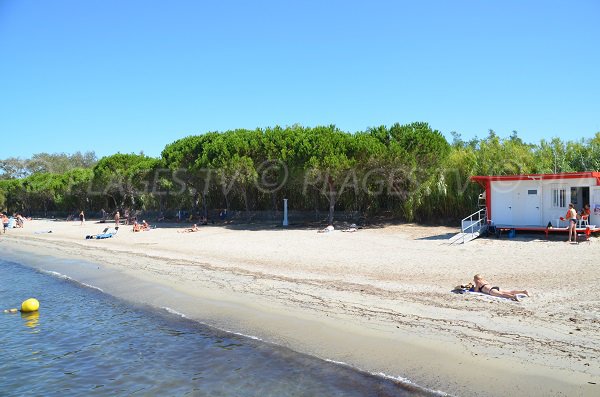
x,y
409,382
399,379
65,277
55,274
175,312
93,287
245,336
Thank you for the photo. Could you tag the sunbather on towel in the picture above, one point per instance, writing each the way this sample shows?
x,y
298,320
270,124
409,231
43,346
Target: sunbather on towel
x,y
106,233
328,229
189,229
481,285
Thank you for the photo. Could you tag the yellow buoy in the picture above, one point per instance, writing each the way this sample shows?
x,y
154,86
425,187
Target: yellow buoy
x,y
30,305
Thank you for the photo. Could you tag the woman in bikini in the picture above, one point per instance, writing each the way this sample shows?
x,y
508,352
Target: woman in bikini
x,y
481,285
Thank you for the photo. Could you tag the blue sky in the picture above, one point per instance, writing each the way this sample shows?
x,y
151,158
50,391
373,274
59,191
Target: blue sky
x,y
126,76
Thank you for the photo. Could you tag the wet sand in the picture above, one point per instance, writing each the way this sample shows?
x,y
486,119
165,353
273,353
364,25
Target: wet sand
x,y
378,299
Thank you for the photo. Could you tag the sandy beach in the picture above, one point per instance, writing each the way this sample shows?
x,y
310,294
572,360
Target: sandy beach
x,y
378,299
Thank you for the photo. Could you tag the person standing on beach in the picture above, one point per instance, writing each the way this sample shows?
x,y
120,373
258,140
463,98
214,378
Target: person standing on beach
x,y
571,217
5,222
81,218
117,218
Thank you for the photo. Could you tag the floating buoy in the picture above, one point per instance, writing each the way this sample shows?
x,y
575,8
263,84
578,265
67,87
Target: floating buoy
x,y
30,305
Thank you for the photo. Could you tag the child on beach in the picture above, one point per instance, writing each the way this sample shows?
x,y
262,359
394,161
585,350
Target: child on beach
x,y
5,221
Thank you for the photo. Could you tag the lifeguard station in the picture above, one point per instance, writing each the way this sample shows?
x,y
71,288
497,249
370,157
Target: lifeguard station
x,y
533,202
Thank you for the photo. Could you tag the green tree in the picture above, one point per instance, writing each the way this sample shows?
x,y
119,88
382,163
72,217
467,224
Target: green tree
x,y
124,177
329,164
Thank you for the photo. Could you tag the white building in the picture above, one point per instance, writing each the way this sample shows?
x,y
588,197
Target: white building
x,y
533,201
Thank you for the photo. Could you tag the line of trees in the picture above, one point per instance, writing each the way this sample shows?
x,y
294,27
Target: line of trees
x,y
409,172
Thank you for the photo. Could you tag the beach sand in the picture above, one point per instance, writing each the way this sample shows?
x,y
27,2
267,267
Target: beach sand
x,y
378,299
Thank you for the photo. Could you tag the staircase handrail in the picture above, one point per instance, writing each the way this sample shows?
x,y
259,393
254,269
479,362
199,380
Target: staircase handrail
x,y
476,221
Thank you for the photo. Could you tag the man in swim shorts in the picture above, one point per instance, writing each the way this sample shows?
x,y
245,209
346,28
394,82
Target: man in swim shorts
x,y
572,219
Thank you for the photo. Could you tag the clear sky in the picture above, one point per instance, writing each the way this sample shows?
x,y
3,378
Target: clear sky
x,y
129,76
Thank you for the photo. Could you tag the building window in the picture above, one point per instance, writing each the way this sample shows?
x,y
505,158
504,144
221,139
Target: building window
x,y
534,191
559,198
574,195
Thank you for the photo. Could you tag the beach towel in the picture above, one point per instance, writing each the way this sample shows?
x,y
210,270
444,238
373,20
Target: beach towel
x,y
104,235
493,298
328,229
42,232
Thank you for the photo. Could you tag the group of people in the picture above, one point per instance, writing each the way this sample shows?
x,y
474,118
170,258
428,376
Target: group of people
x,y
18,221
573,218
139,227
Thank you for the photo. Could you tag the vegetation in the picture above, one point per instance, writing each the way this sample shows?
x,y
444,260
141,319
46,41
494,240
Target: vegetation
x,y
407,172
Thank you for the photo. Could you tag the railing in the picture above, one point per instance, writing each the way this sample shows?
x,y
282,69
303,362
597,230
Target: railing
x,y
474,221
470,225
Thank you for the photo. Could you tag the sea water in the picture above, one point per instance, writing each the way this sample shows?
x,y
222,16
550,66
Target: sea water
x,y
84,342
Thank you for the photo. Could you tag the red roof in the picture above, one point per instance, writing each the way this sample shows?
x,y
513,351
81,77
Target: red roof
x,y
482,180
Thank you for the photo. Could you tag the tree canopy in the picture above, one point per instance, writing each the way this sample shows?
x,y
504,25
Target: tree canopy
x,y
408,172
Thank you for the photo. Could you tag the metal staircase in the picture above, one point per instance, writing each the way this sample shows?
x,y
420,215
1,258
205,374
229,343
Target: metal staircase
x,y
471,227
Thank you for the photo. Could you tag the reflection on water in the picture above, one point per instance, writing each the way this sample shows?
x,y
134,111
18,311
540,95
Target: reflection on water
x,y
32,319
87,343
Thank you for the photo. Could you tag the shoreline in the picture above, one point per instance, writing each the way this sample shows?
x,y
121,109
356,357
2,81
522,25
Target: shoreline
x,y
364,299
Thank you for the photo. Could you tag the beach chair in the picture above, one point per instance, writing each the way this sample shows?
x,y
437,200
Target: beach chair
x,y
584,221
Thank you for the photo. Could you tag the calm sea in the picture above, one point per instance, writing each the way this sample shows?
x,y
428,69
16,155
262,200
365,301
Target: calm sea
x,y
83,342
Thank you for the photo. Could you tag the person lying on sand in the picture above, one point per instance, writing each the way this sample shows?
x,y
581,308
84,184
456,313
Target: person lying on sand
x,y
106,233
189,230
353,228
481,285
328,229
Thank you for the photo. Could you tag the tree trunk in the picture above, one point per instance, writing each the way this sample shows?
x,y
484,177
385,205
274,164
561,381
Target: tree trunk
x,y
196,201
317,205
245,196
274,204
227,202
332,198
204,205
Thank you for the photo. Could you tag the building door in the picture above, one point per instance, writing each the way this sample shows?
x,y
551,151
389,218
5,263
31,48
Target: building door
x,y
595,207
502,203
526,206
